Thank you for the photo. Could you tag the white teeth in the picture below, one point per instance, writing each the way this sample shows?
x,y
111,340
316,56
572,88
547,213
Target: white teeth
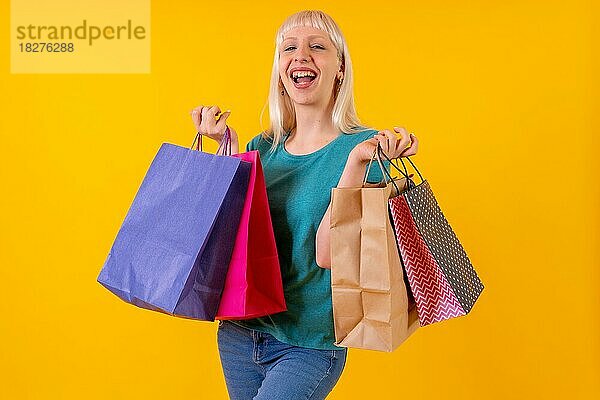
x,y
300,74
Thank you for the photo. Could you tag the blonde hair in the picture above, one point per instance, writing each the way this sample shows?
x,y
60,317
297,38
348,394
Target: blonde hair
x,y
281,110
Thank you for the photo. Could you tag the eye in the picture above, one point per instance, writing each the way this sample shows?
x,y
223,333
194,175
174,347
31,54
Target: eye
x,y
318,46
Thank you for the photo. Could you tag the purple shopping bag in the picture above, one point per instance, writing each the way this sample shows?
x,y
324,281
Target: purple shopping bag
x,y
173,249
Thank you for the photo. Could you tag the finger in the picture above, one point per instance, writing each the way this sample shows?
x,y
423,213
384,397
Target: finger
x,y
392,143
372,141
196,110
202,118
412,147
372,146
206,119
412,150
384,137
197,116
203,112
408,152
404,141
388,135
401,131
385,144
223,120
388,143
214,111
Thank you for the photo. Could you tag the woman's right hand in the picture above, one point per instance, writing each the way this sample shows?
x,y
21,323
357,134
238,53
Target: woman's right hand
x,y
206,124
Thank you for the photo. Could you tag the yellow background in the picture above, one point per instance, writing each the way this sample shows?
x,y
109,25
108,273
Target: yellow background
x,y
501,96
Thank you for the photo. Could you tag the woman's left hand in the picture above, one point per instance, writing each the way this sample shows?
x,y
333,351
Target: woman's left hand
x,y
392,146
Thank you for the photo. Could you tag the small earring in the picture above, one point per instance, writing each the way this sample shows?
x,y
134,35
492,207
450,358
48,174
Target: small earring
x,y
282,93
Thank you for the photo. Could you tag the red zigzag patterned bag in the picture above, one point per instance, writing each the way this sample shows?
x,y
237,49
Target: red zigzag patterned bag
x,y
441,276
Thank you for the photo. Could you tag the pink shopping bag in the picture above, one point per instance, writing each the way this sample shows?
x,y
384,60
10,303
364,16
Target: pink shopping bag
x,y
253,285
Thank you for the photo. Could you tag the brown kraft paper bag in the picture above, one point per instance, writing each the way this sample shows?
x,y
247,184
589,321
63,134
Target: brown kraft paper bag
x,y
371,307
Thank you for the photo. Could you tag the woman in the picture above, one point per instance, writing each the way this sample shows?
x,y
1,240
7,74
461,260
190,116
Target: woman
x,y
315,142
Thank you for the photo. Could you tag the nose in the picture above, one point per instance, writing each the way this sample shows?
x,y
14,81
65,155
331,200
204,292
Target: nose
x,y
301,54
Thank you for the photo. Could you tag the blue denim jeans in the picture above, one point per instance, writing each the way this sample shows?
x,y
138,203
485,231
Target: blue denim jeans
x,y
258,366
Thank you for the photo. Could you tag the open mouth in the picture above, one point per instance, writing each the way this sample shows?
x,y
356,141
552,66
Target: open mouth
x,y
303,79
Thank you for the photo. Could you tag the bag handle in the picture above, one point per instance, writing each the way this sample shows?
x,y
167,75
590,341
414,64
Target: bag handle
x,y
226,140
369,166
405,172
386,174
199,144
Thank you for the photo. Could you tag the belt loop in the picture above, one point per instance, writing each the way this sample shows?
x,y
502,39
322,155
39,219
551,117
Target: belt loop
x,y
259,337
254,346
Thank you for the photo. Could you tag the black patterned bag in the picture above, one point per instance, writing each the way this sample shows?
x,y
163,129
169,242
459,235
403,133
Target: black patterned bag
x,y
442,279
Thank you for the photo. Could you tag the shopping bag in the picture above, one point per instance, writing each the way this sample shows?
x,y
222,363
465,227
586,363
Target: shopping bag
x,y
174,246
253,285
371,308
440,274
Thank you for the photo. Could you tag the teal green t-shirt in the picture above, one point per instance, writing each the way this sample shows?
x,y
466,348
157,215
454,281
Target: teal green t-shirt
x,y
299,192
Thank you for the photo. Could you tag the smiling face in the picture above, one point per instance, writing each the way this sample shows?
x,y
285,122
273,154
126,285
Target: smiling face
x,y
309,65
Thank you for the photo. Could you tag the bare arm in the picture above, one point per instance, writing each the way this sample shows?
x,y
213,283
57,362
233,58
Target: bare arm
x,y
353,176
